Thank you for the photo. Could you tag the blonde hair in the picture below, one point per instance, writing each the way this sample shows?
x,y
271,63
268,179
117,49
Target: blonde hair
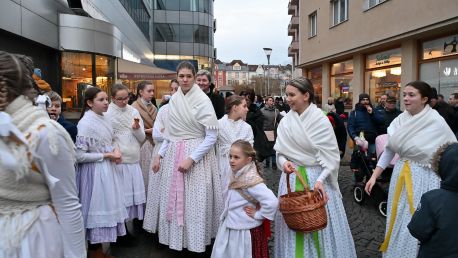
x,y
248,151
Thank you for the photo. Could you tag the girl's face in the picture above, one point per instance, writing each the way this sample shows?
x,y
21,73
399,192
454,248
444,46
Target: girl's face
x,y
185,79
296,100
121,98
237,159
99,104
240,111
413,101
173,88
147,93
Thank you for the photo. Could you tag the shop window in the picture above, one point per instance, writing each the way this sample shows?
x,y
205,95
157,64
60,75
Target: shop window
x,y
383,81
443,75
80,71
339,11
341,82
446,46
383,74
316,76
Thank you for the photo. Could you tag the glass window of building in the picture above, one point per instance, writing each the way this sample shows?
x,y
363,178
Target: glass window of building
x,y
442,47
312,22
383,74
371,3
79,71
316,76
341,82
173,5
339,11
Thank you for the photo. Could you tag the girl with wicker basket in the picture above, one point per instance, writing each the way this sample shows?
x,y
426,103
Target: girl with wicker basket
x,y
306,144
249,202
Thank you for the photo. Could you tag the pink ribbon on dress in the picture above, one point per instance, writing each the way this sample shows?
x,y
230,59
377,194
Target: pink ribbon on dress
x,y
176,194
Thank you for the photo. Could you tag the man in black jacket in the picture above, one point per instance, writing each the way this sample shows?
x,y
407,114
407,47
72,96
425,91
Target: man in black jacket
x,y
434,222
203,79
389,112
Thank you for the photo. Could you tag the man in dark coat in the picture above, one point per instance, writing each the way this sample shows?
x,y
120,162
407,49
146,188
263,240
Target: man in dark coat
x,y
203,79
389,113
444,109
434,221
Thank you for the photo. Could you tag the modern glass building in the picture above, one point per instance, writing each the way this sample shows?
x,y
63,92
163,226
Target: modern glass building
x,y
183,30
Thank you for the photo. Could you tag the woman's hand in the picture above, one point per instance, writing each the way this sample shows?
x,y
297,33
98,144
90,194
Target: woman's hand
x,y
288,167
136,124
156,163
185,165
376,173
250,211
320,188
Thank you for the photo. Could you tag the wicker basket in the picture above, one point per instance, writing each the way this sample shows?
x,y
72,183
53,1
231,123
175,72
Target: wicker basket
x,y
303,211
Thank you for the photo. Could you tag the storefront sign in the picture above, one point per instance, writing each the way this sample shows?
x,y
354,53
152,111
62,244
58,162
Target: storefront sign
x,y
449,71
382,59
145,76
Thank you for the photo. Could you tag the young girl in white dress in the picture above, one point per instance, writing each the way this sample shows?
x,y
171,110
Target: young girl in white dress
x,y
100,190
249,202
232,127
129,134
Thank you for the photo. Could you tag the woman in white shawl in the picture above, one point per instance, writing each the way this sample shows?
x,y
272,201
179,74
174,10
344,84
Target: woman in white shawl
x,y
190,199
306,143
40,214
232,127
414,135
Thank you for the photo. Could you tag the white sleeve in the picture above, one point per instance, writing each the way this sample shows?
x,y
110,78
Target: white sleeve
x,y
157,127
267,200
385,158
211,135
64,193
164,147
281,159
82,156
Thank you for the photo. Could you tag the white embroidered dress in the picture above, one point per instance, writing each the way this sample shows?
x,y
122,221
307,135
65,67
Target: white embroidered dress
x,y
129,171
308,140
229,132
185,208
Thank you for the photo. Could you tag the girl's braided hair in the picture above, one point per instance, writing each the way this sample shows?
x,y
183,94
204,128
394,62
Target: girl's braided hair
x,y
15,79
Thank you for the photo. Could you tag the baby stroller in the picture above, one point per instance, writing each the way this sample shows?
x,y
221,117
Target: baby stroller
x,y
363,164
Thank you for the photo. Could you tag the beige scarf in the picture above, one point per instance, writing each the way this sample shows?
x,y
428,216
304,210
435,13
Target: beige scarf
x,y
246,177
309,140
417,137
190,115
148,115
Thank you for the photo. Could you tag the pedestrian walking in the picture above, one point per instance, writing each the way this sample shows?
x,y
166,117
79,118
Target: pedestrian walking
x,y
434,221
249,202
271,119
40,213
129,134
306,143
190,199
100,190
414,135
232,127
148,112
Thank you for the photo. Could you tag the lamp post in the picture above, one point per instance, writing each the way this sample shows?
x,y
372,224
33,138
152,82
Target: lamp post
x,y
268,51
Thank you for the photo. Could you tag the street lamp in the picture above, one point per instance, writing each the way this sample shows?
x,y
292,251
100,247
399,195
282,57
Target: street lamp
x,y
268,51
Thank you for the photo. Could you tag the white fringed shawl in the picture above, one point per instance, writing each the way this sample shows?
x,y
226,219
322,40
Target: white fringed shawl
x,y
308,140
417,137
190,115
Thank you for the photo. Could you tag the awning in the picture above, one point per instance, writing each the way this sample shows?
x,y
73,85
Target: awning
x,y
128,70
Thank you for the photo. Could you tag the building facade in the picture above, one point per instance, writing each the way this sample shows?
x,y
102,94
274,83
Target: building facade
x,y
183,30
377,46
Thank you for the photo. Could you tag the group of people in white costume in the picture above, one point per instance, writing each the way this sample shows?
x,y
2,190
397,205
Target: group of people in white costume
x,y
190,177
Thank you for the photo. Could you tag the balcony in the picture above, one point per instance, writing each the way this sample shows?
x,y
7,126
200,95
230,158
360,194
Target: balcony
x,y
293,23
293,47
294,2
291,8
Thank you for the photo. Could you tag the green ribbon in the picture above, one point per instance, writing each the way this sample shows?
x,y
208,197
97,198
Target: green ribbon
x,y
299,235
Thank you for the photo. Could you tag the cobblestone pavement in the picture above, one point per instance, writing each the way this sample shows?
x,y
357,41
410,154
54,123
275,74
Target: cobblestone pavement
x,y
366,223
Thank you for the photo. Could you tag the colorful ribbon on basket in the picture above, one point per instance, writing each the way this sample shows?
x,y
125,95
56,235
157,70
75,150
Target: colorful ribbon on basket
x,y
405,179
176,194
299,235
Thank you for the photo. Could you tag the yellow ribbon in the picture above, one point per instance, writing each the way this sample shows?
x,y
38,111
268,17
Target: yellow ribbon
x,y
405,178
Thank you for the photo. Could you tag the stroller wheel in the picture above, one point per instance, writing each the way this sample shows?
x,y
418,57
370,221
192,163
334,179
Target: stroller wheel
x,y
358,194
382,208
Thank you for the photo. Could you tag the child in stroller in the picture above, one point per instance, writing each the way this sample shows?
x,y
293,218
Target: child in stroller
x,y
362,164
